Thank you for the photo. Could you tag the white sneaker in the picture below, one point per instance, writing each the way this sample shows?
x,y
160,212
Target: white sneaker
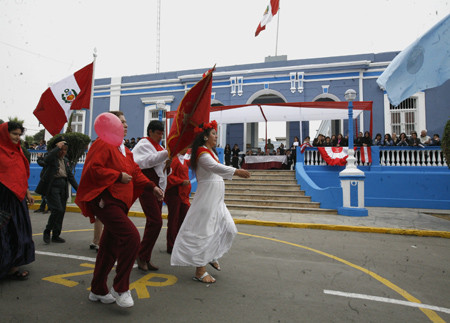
x,y
105,299
122,299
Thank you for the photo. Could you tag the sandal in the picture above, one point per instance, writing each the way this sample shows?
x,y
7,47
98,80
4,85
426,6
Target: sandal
x,y
215,265
202,277
19,275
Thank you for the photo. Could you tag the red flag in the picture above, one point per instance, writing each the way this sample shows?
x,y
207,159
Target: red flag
x,y
366,155
193,110
71,93
271,11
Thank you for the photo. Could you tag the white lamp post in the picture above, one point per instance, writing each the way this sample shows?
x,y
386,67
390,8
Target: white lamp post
x,y
352,178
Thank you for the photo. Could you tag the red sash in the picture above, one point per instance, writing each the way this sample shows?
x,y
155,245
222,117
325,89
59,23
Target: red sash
x,y
203,150
157,146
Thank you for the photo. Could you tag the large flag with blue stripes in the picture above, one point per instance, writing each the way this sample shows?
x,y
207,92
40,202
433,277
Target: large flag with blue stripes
x,y
422,65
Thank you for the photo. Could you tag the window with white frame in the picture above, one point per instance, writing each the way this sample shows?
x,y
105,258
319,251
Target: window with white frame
x,y
408,116
78,118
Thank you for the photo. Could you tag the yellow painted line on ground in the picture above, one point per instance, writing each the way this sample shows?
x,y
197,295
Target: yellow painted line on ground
x,y
429,313
316,226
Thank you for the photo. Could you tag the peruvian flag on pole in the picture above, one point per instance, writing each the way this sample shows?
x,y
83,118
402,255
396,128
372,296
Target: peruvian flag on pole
x,y
271,11
71,93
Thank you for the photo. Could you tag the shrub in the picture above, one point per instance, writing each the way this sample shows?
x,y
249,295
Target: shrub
x,y
78,144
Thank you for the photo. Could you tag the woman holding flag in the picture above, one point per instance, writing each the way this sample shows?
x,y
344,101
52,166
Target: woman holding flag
x,y
208,229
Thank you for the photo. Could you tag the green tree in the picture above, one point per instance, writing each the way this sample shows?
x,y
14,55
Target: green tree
x,y
445,145
39,136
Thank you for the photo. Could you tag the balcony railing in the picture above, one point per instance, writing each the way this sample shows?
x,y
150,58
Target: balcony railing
x,y
431,156
36,153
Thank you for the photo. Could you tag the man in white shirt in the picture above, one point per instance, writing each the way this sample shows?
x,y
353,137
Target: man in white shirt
x,y
424,139
151,158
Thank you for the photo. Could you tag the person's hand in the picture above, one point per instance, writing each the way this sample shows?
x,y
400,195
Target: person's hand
x,y
186,182
158,193
30,198
242,173
61,144
126,178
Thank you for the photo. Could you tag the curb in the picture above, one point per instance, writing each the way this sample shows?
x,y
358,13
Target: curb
x,y
315,226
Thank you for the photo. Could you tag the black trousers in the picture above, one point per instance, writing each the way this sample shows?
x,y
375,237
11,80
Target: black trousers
x,y
56,201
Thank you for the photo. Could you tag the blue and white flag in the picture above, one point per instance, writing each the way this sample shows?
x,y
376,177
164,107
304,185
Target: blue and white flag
x,y
422,65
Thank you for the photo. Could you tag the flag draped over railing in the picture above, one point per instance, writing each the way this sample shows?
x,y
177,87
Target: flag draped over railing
x,y
193,110
71,93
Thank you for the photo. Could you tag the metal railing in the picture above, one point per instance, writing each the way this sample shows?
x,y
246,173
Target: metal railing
x,y
36,153
431,156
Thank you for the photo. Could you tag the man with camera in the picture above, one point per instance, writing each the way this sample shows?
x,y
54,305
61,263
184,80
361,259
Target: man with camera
x,y
54,186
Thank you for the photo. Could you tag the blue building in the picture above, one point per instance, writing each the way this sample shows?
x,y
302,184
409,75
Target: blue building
x,y
149,96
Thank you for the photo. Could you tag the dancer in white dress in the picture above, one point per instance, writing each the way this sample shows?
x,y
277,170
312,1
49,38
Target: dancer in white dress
x,y
208,229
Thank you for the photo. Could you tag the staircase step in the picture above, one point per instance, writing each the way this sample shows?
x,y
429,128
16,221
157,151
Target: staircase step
x,y
251,181
263,190
262,186
280,198
279,209
275,203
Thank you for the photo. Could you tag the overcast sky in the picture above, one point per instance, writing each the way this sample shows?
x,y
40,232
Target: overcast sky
x,y
43,41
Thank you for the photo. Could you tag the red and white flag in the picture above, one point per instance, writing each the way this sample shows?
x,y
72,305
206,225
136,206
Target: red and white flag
x,y
271,11
303,147
334,156
366,155
71,93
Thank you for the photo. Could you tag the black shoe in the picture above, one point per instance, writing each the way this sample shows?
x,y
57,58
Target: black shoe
x,y
46,236
58,239
38,211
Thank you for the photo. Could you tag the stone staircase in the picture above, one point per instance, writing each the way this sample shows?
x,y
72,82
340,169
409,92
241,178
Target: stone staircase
x,y
269,191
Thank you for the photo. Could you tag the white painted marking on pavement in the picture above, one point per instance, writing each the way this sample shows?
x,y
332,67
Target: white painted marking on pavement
x,y
63,255
387,300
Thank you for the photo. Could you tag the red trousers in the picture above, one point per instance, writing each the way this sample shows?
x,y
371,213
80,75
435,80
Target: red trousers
x,y
119,242
177,212
152,209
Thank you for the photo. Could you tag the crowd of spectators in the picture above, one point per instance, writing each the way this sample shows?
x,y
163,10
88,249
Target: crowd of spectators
x,y
366,140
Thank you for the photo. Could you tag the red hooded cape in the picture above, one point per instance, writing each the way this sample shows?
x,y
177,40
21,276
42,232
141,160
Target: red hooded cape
x,y
102,169
14,166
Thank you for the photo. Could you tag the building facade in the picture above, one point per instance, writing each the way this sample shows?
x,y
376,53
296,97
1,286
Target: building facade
x,y
143,98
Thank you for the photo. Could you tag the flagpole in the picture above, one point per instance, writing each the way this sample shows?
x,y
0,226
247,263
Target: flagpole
x,y
91,104
278,26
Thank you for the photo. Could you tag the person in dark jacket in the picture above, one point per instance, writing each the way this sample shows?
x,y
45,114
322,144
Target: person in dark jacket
x,y
53,185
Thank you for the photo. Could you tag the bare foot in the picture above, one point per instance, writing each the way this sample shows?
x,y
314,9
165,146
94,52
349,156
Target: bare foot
x,y
142,265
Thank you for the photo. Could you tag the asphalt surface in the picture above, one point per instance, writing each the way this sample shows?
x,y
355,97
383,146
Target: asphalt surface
x,y
271,274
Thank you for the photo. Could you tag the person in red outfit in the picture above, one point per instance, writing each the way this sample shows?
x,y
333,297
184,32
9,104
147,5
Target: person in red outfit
x,y
177,196
152,159
110,183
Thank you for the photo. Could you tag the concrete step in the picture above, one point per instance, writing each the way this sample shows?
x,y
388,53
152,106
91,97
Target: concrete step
x,y
251,181
263,186
264,190
280,198
272,172
279,209
275,203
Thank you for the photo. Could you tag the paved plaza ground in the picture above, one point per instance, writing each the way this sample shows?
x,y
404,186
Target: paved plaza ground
x,y
271,274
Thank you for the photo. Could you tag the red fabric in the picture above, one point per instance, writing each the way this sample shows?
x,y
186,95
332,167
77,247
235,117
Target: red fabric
x,y
177,211
119,242
333,159
366,154
303,147
193,110
179,174
275,4
50,113
157,146
203,150
269,165
103,166
152,209
14,166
